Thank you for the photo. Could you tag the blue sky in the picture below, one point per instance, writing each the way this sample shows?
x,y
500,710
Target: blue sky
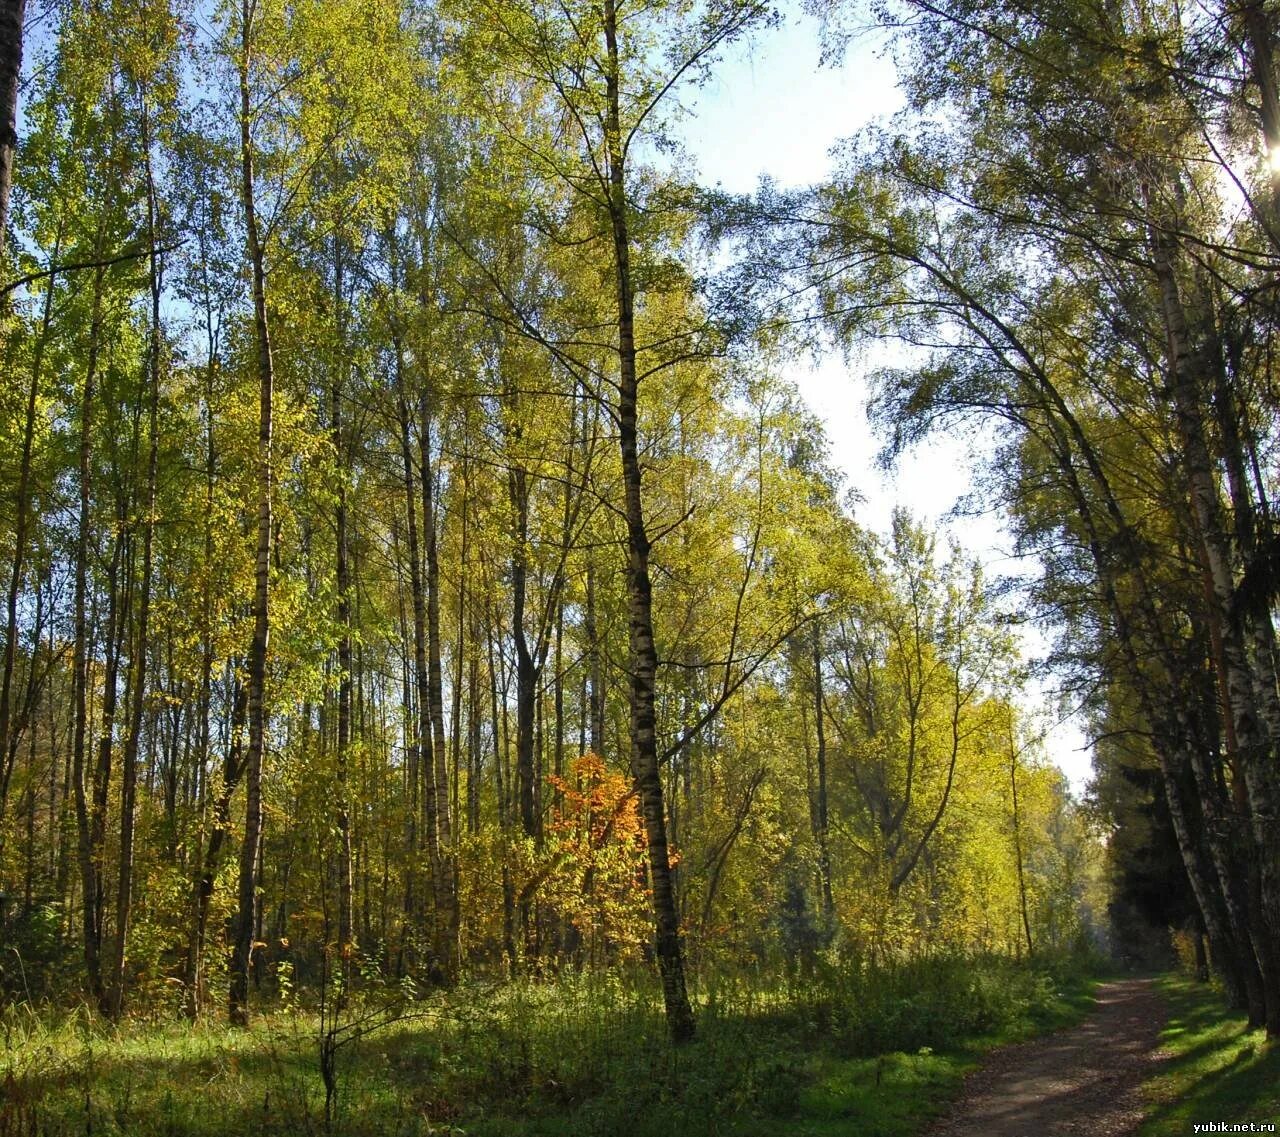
x,y
772,108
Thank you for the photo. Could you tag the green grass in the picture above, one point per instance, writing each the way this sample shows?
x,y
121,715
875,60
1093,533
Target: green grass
x,y
876,1053
1217,1070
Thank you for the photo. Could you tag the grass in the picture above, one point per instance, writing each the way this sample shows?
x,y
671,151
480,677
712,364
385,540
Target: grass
x,y
876,1053
1217,1071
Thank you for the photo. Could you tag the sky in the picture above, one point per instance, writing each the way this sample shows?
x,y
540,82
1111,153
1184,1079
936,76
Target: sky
x,y
772,108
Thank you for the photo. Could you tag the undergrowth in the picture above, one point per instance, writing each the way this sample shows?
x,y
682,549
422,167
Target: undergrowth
x,y
844,1049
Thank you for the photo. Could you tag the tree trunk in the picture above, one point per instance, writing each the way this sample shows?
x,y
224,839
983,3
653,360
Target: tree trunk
x,y
409,647
821,818
80,663
10,729
1256,749
474,717
449,921
117,622
12,13
1017,842
526,668
202,893
642,651
138,682
1112,558
425,779
461,651
594,663
242,948
1260,52
343,574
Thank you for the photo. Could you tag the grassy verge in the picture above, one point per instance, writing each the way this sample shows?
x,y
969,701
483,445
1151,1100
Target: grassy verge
x,y
874,1053
896,1093
1218,1069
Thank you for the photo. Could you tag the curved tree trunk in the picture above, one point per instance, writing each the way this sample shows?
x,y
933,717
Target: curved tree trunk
x,y
1256,748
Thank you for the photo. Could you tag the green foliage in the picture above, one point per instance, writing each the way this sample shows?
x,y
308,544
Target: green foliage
x,y
35,956
440,230
938,1003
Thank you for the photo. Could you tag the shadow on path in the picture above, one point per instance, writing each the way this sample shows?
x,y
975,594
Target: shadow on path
x,y
1080,1081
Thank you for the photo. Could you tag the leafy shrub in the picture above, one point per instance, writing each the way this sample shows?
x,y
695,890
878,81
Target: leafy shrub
x,y
933,1003
34,956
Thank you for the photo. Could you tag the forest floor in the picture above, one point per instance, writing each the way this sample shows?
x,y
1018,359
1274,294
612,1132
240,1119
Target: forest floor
x,y
1084,1080
872,1052
1216,1070
969,1046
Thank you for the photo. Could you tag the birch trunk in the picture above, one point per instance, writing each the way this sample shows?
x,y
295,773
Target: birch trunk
x,y
12,14
642,652
1256,749
246,923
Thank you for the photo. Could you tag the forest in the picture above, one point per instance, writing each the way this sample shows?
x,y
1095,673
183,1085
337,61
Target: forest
x,y
448,686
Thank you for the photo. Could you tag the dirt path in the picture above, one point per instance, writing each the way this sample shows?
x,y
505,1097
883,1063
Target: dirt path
x,y
1079,1081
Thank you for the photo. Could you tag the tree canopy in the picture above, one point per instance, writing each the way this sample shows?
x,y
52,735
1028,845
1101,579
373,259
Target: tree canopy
x,y
420,563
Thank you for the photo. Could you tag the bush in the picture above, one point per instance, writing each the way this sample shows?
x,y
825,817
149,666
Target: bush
x,y
34,956
936,1002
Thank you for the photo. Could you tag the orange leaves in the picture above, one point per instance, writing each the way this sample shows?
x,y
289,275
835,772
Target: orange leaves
x,y
598,806
597,842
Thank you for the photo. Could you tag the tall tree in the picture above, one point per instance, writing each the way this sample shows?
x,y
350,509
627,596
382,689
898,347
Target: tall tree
x,y
242,947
